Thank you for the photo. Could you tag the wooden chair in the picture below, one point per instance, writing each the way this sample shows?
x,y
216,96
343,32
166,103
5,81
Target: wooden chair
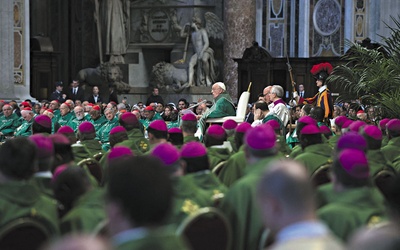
x,y
266,239
321,175
94,168
239,117
382,179
24,233
217,169
240,111
207,229
102,229
98,156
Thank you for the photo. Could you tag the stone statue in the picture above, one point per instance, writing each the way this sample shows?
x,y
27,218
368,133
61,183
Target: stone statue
x,y
165,75
114,20
106,73
202,63
114,79
91,76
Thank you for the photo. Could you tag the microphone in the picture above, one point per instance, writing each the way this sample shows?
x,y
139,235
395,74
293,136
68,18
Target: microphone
x,y
195,105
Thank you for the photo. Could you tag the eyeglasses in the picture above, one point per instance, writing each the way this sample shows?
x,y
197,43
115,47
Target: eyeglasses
x,y
215,89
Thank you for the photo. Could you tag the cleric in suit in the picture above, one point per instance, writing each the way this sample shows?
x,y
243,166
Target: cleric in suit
x,y
95,96
76,92
302,92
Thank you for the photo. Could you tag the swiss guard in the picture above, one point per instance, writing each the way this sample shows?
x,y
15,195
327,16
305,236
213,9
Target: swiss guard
x,y
323,98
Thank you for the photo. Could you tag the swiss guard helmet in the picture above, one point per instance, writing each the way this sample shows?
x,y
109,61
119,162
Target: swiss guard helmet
x,y
321,71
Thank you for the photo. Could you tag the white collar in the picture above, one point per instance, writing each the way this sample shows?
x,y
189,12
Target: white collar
x,y
321,89
47,174
129,235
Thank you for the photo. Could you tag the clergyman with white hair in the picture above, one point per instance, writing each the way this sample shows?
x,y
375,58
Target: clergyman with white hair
x,y
222,102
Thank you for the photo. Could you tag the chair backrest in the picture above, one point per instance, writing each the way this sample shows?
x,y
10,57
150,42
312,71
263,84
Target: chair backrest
x,y
207,229
98,156
242,104
265,239
24,233
101,229
383,178
217,169
94,168
321,175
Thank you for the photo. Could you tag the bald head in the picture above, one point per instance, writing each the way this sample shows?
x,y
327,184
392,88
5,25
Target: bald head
x,y
266,92
285,194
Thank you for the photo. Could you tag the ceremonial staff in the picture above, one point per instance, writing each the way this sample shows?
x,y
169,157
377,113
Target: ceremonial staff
x,y
291,74
294,90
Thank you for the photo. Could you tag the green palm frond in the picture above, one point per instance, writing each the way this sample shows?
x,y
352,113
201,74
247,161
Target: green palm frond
x,y
390,103
362,57
372,76
392,43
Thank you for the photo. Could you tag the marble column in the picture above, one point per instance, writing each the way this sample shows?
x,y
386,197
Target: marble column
x,y
240,32
6,50
304,28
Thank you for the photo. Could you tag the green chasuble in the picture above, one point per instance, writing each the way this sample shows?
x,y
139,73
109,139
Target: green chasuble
x,y
20,199
9,124
92,146
297,150
57,114
222,106
146,122
173,124
282,145
74,123
87,212
241,208
63,120
385,140
80,152
136,142
43,183
217,154
292,139
396,164
187,200
325,194
103,134
392,149
234,168
315,156
208,182
377,162
352,209
98,123
333,141
24,129
189,138
231,140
